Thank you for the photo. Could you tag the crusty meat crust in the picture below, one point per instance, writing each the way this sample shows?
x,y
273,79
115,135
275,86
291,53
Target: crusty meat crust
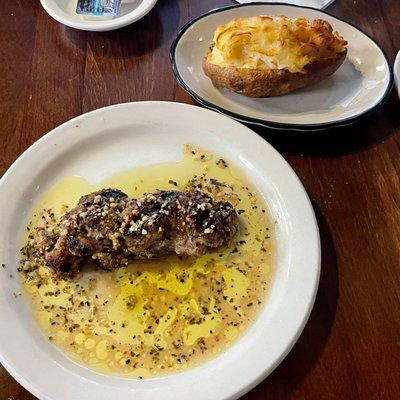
x,y
112,229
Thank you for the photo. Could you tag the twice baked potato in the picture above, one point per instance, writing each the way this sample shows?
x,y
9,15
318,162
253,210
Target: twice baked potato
x,y
269,56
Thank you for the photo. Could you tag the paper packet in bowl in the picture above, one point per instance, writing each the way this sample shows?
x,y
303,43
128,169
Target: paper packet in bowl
x,y
106,8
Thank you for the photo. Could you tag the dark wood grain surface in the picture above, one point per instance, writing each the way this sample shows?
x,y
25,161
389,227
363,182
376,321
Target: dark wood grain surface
x,y
350,348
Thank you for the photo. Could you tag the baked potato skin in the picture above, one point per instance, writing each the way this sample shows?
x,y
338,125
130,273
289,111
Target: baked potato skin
x,y
272,82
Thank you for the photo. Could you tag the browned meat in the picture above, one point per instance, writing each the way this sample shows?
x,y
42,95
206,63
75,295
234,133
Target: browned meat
x,y
112,229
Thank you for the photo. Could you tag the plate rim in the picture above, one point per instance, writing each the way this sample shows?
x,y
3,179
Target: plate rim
x,y
257,377
266,123
396,72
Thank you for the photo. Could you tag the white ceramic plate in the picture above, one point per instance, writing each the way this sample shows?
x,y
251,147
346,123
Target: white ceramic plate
x,y
116,138
308,3
64,11
397,72
360,85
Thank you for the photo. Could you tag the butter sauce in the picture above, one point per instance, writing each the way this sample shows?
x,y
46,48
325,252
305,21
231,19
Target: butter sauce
x,y
160,315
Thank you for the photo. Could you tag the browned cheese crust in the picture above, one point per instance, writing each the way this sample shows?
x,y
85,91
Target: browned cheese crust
x,y
273,82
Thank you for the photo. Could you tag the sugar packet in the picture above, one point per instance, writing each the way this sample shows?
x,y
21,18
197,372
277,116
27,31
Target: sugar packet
x,y
98,7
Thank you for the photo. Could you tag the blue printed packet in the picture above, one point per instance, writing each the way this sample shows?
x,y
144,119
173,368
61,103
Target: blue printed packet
x,y
98,7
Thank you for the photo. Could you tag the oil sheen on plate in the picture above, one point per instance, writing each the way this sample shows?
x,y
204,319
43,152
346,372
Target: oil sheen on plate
x,y
162,315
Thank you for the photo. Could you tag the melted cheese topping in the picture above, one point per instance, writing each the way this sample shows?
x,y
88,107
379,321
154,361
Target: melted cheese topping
x,y
160,315
266,42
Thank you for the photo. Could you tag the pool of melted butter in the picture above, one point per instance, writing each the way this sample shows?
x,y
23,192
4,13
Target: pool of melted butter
x,y
161,315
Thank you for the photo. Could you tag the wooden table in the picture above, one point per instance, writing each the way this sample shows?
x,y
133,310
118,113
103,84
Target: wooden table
x,y
350,348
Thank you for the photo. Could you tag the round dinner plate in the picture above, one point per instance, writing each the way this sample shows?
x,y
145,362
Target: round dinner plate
x,y
121,137
357,88
320,4
397,72
64,11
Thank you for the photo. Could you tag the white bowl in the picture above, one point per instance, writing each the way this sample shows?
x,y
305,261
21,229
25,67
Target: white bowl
x,y
64,11
120,137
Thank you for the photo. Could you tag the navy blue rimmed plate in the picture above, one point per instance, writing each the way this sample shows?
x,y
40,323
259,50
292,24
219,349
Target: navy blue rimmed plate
x,y
357,88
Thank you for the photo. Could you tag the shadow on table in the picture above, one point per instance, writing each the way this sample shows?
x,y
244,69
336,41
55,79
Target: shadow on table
x,y
142,37
366,133
310,346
